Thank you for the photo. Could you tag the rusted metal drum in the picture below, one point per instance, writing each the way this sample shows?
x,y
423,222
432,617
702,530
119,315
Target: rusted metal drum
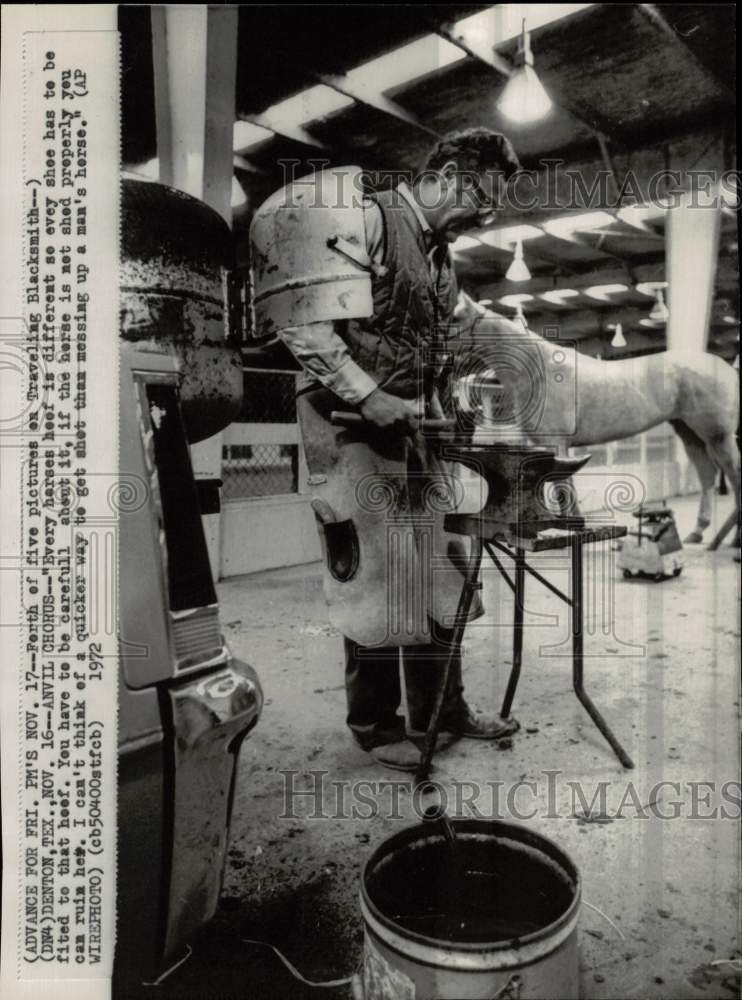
x,y
176,254
497,919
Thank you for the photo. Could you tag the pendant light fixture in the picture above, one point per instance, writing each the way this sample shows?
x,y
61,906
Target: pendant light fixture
x,y
659,312
618,338
518,270
523,99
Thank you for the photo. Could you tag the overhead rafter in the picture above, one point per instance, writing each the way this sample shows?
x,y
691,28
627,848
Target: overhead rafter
x,y
475,48
726,279
535,256
294,132
591,321
582,115
485,54
374,99
582,240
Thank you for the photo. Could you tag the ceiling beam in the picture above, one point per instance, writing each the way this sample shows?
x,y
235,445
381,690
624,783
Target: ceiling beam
x,y
294,132
585,323
504,256
592,322
475,48
374,99
491,58
581,239
726,279
651,171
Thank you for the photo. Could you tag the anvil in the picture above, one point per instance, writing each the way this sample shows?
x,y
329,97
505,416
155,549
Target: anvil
x,y
524,485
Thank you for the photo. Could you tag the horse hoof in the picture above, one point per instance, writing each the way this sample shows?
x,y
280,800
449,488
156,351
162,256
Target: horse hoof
x,y
694,538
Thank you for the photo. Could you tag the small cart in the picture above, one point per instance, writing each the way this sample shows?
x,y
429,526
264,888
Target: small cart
x,y
653,551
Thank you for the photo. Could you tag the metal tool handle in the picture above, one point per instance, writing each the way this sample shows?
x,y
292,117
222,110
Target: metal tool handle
x,y
341,418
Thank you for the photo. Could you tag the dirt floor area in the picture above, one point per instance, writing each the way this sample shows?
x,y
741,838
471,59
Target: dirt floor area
x,y
660,862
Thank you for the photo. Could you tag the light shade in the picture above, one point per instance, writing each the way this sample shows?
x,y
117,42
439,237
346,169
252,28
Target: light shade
x,y
601,292
565,226
659,312
618,338
518,270
649,287
524,99
557,296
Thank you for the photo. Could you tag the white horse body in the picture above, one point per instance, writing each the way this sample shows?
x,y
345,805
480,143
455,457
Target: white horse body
x,y
697,392
618,399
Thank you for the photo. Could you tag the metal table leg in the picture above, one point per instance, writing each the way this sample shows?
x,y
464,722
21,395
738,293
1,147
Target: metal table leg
x,y
471,585
723,531
519,595
577,656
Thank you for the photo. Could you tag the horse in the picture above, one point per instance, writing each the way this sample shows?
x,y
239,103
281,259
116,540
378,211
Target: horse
x,y
696,392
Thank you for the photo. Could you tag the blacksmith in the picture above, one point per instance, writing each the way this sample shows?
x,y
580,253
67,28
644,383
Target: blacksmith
x,y
392,576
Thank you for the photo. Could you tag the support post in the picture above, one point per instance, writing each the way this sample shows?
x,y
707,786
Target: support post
x,y
692,234
195,69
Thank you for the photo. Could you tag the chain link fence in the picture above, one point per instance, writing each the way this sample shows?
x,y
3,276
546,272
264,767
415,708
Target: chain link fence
x,y
270,398
259,470
264,460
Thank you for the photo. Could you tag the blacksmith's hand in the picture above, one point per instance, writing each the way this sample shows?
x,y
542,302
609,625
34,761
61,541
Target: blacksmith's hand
x,y
389,413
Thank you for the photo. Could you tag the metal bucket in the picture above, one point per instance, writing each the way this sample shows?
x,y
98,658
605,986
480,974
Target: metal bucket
x,y
499,921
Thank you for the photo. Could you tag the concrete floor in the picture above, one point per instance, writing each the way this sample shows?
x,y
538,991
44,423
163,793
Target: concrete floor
x,y
664,669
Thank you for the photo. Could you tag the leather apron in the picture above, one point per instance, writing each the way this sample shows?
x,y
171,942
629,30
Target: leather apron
x,y
389,564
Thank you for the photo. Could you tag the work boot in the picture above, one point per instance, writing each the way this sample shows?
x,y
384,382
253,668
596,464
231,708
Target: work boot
x,y
400,756
443,742
474,724
405,755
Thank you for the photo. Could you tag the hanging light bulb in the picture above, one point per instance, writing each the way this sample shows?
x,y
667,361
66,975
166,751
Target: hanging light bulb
x,y
523,98
618,338
518,270
520,316
659,312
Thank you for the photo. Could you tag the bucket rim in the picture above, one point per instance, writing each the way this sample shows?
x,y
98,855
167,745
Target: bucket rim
x,y
499,829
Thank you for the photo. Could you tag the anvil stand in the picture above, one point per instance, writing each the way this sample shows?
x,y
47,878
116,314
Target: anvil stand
x,y
511,522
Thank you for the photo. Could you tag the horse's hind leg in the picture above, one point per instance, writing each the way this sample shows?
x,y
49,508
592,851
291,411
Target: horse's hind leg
x,y
706,469
726,454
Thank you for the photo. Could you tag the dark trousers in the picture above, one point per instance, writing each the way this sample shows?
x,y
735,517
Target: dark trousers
x,y
374,693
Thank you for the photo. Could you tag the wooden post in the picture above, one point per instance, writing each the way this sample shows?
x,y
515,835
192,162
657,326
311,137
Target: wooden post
x,y
692,235
195,69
